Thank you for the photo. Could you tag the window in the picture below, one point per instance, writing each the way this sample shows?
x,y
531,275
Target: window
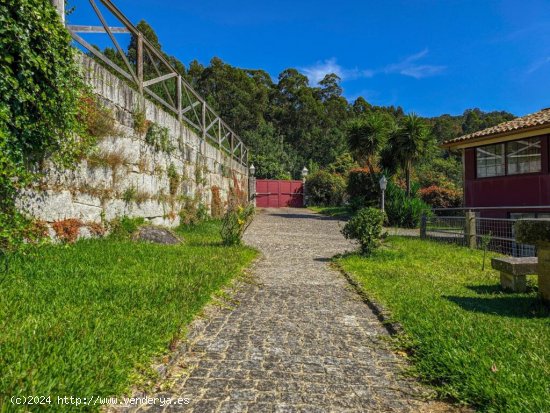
x,y
523,156
511,158
490,160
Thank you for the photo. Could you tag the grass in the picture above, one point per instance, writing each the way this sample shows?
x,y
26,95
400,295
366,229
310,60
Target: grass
x,y
477,344
89,318
332,211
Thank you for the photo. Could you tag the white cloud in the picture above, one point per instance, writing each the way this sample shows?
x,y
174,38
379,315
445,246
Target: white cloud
x,y
538,64
319,70
410,67
407,67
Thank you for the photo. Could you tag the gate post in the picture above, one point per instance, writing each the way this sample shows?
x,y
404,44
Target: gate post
x,y
470,233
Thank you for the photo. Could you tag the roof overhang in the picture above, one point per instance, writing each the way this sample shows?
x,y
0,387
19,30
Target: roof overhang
x,y
497,138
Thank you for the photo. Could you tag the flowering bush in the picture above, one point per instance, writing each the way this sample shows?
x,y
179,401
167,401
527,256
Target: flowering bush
x,y
440,197
235,222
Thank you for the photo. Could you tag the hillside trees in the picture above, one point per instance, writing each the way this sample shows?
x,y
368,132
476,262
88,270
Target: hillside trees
x,y
289,123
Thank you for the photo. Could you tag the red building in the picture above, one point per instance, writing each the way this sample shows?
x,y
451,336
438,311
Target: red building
x,y
507,167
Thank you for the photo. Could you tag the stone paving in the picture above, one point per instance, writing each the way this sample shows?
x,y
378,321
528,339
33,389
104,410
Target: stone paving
x,y
298,340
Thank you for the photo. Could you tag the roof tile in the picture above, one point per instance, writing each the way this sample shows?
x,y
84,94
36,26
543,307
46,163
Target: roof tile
x,y
540,118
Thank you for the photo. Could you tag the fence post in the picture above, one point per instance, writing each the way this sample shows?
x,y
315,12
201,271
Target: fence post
x,y
423,225
470,233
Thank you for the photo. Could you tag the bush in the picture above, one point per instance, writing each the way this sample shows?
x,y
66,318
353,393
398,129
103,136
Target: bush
x,y
401,210
363,188
439,197
193,211
124,227
325,189
41,88
366,227
235,222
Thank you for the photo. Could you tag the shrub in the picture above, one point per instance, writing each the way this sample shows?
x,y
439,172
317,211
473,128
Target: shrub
x,y
235,222
325,189
403,211
192,211
40,94
124,227
363,188
365,227
439,197
67,229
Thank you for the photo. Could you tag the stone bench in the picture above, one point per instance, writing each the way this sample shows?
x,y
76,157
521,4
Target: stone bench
x,y
513,271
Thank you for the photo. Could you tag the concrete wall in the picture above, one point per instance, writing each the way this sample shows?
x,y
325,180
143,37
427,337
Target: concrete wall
x,y
100,191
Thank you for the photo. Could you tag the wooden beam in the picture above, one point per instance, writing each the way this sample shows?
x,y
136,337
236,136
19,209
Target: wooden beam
x,y
96,29
159,79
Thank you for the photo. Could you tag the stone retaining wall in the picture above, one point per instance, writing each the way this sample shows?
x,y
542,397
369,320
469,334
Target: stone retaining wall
x,y
127,176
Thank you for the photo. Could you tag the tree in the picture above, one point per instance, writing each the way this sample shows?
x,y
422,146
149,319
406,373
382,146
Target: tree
x,y
367,136
408,142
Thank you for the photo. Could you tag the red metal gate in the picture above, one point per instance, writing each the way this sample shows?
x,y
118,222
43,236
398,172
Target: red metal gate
x,y
272,193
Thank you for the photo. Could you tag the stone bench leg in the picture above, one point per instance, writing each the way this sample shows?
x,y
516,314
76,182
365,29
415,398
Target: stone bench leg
x,y
543,271
515,283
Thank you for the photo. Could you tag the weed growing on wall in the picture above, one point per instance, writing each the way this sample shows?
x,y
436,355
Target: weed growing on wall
x,y
159,138
174,179
141,124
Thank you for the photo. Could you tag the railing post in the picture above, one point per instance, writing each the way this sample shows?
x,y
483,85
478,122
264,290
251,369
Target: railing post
x,y
60,6
232,142
203,126
470,233
140,62
179,97
423,225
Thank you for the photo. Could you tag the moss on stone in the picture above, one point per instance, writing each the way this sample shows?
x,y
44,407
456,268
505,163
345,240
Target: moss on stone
x,y
532,231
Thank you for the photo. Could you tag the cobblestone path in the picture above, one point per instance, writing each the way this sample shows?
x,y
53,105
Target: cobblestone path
x,y
300,340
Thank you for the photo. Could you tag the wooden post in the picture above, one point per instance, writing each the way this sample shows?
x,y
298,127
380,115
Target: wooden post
x,y
60,6
179,97
140,62
470,233
423,225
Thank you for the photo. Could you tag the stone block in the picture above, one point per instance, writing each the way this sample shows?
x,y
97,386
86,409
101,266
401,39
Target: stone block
x,y
515,283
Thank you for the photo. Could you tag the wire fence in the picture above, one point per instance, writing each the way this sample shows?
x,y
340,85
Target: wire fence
x,y
496,234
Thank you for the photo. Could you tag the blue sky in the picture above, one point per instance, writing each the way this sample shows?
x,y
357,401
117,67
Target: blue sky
x,y
430,57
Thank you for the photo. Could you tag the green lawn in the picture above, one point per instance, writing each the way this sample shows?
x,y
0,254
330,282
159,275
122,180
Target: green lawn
x,y
476,344
85,319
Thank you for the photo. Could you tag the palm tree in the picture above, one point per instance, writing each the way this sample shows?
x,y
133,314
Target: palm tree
x,y
366,137
408,142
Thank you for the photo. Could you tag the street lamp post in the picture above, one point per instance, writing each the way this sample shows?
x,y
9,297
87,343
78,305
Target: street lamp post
x,y
383,184
304,193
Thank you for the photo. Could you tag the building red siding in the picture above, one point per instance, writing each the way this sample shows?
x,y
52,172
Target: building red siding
x,y
512,190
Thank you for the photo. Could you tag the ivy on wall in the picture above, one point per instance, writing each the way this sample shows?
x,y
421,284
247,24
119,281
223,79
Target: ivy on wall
x,y
41,90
